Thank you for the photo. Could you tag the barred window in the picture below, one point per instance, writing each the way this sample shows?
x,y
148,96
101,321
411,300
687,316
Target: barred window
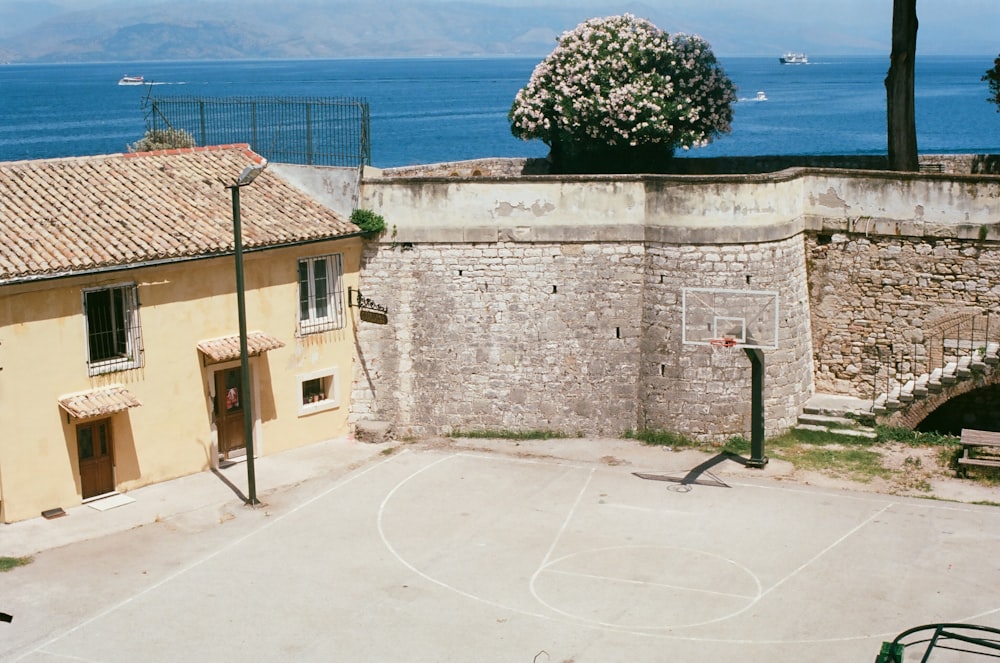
x,y
321,294
113,339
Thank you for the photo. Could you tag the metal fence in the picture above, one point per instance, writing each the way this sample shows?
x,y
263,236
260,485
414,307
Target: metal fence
x,y
330,131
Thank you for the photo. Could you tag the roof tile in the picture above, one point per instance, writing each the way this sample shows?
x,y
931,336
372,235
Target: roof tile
x,y
227,348
62,216
95,402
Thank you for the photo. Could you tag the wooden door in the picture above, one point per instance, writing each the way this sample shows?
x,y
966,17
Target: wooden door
x,y
229,413
96,454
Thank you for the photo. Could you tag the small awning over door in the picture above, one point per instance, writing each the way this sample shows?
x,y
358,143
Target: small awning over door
x,y
227,348
98,402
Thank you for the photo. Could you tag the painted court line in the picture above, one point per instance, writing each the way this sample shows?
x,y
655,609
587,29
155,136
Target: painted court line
x,y
41,648
380,523
646,583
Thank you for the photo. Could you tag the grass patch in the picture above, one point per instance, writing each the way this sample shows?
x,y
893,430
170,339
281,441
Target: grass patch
x,y
662,438
505,434
8,563
855,458
915,438
738,445
851,462
822,438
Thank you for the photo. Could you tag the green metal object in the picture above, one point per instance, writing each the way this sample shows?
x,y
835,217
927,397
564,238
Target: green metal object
x,y
249,174
970,640
241,306
757,457
892,652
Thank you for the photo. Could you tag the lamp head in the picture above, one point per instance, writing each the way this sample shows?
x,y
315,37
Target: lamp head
x,y
250,173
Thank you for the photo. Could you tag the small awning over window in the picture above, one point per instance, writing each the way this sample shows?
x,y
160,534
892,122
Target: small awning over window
x,y
227,348
97,402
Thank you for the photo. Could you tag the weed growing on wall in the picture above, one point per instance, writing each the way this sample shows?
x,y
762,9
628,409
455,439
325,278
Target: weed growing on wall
x,y
369,222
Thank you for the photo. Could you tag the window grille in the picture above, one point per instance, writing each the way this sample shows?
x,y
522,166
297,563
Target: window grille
x,y
114,342
321,294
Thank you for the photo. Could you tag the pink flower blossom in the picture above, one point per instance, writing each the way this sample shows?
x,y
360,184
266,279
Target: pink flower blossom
x,y
621,80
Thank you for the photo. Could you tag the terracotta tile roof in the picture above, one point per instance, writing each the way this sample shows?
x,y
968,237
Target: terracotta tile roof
x,y
62,216
227,348
95,402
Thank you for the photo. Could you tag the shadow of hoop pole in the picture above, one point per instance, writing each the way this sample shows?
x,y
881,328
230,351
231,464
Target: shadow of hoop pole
x,y
694,474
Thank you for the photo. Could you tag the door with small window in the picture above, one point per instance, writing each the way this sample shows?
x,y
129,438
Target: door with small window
x,y
96,455
229,402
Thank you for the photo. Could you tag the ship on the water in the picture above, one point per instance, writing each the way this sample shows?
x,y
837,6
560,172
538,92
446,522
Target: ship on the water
x,y
794,58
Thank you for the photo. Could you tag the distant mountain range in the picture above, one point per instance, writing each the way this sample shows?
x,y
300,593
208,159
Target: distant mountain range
x,y
43,32
140,30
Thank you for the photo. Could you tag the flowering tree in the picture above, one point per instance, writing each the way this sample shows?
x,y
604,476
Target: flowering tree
x,y
620,95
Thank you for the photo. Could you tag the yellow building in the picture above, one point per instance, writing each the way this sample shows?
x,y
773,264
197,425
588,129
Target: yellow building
x,y
119,333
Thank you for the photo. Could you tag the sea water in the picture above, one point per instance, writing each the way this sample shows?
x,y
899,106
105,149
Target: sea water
x,y
433,110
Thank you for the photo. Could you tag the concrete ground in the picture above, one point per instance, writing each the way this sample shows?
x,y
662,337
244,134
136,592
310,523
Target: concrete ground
x,y
472,551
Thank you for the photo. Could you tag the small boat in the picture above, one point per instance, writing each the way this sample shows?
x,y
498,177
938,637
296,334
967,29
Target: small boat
x,y
760,96
131,80
794,58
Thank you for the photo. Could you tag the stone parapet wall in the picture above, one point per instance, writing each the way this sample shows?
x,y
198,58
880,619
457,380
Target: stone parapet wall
x,y
552,302
953,164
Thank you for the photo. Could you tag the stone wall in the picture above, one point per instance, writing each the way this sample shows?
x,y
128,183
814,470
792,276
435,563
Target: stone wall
x,y
503,335
542,303
878,298
573,337
706,394
952,164
537,302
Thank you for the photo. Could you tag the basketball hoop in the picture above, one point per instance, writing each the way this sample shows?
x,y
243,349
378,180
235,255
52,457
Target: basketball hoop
x,y
725,349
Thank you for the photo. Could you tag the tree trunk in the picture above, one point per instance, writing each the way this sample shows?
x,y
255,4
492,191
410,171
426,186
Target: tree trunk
x,y
902,125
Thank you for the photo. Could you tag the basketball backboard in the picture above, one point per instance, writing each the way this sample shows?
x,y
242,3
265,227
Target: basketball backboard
x,y
748,316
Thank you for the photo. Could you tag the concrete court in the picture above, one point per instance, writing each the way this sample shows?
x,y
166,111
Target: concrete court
x,y
453,554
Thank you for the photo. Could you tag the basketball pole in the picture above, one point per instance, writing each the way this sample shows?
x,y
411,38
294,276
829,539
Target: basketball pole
x,y
757,457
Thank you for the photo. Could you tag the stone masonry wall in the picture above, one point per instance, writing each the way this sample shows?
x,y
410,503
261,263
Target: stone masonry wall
x,y
709,392
502,336
535,302
502,167
884,296
579,338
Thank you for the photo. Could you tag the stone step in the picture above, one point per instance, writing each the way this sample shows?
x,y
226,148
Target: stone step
x,y
992,354
978,359
892,400
866,433
912,387
934,381
373,431
825,420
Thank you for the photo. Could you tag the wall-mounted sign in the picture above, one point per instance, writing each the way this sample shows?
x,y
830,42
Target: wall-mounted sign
x,y
369,311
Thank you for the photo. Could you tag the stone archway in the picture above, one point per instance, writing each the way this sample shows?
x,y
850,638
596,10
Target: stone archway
x,y
910,415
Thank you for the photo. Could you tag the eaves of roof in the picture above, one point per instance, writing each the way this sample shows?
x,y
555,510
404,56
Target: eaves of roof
x,y
63,217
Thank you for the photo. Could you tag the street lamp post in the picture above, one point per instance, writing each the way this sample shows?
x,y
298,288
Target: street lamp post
x,y
248,175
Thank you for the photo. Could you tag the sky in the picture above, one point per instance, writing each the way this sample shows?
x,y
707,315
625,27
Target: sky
x,y
757,27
